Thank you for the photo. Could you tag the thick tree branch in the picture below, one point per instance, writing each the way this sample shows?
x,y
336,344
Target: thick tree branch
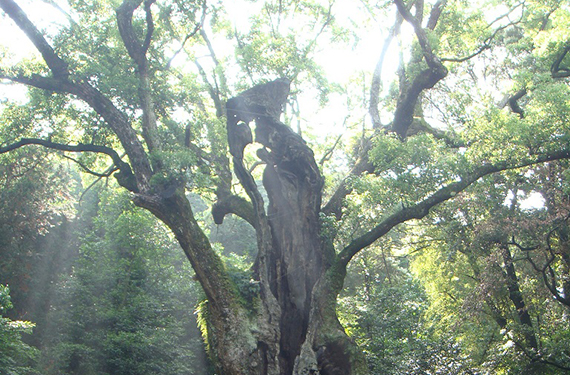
x,y
430,57
435,14
513,102
60,83
149,24
124,177
175,211
105,108
137,51
38,81
120,125
556,70
426,79
58,67
376,83
422,208
125,23
516,296
64,147
233,204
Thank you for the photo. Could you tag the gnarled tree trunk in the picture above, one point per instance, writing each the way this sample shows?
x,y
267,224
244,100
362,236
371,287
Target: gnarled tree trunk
x,y
298,329
294,328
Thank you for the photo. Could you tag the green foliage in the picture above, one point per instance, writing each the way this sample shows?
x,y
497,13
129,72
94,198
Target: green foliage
x,y
126,308
404,174
464,272
385,310
433,296
282,39
16,357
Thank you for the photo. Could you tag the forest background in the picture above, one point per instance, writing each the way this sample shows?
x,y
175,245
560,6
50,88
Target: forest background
x,y
440,131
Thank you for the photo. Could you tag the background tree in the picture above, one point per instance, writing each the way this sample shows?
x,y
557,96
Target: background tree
x,y
126,308
15,355
112,93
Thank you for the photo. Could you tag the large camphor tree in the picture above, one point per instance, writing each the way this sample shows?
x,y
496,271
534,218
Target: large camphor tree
x,y
491,77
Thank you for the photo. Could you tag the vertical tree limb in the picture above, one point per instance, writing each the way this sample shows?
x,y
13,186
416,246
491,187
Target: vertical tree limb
x,y
425,79
376,84
516,297
137,51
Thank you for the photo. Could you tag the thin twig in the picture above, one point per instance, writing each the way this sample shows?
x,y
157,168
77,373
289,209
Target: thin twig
x,y
197,28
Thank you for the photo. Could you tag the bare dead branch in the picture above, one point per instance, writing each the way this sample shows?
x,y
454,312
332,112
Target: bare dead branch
x,y
330,151
376,84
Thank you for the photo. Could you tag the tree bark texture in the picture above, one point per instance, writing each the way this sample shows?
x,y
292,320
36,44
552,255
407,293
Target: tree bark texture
x,y
294,328
292,260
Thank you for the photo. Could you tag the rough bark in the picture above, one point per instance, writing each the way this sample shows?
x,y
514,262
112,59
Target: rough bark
x,y
231,337
281,238
298,284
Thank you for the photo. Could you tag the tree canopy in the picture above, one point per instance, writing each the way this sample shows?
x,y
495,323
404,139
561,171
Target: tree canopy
x,y
423,227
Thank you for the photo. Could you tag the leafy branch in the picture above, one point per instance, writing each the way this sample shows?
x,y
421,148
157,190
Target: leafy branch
x,y
61,82
488,42
124,177
422,208
547,272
